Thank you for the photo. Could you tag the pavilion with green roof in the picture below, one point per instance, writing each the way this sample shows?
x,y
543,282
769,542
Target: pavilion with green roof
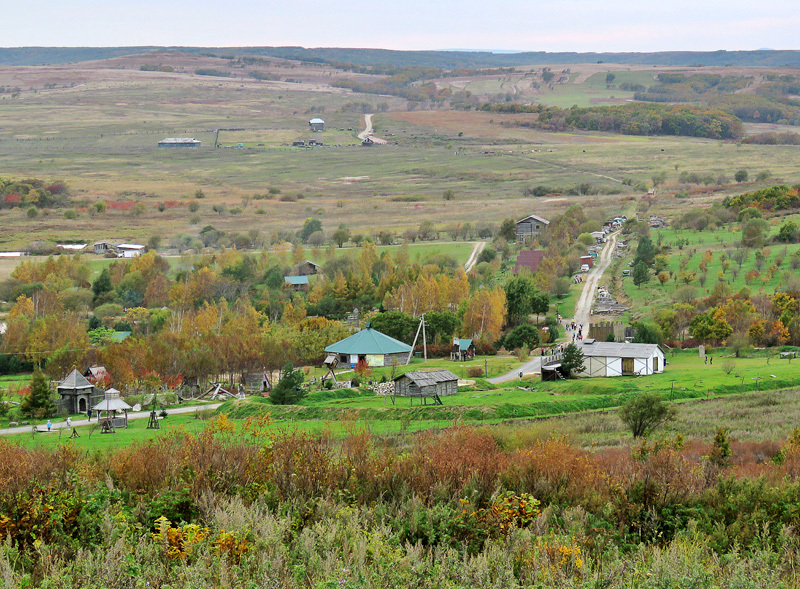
x,y
373,347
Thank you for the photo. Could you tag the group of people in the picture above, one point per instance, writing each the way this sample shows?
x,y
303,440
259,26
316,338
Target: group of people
x,y
576,329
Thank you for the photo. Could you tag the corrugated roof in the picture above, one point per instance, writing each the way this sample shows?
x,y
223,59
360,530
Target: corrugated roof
x,y
369,341
618,349
76,381
316,120
529,259
296,280
537,217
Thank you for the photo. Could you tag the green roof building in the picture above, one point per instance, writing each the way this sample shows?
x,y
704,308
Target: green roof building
x,y
371,346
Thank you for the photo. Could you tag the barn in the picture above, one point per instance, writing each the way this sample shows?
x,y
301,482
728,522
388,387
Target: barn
x,y
370,346
621,358
426,385
317,125
130,250
530,226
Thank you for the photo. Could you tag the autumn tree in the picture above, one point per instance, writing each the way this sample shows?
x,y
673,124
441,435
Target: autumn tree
x,y
484,313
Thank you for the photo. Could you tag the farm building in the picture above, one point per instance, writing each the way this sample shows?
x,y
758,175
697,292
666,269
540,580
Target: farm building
x,y
529,259
296,282
130,250
103,247
76,393
530,226
426,385
463,349
588,260
97,373
621,358
372,347
316,125
306,268
179,142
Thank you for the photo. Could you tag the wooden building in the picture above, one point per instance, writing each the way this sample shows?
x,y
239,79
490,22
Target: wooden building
x,y
463,349
426,385
371,346
297,283
621,358
116,410
316,125
530,226
306,268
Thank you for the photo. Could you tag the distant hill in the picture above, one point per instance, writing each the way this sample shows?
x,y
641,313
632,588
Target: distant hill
x,y
441,59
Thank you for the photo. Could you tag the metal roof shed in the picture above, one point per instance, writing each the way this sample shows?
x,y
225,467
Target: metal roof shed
x,y
371,346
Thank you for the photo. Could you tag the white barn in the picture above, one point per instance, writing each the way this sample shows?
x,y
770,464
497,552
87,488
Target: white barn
x,y
621,358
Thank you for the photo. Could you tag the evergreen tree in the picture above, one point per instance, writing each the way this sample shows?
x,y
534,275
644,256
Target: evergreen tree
x,y
102,284
645,252
573,360
288,390
641,274
40,400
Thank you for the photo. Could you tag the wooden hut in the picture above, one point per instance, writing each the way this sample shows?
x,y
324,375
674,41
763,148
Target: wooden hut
x,y
426,385
463,349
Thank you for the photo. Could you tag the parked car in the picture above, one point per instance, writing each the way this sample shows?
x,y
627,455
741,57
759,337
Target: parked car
x,y
584,267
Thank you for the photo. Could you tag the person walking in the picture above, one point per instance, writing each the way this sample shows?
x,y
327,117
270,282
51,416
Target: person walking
x,y
69,422
89,413
49,425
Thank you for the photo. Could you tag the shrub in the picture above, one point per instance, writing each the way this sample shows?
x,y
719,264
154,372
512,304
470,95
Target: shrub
x,y
474,371
645,412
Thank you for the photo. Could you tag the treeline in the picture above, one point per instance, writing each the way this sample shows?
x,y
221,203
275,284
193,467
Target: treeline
x,y
776,198
772,138
632,119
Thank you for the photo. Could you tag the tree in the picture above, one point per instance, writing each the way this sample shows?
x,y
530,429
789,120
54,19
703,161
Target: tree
x,y
396,324
645,412
645,333
663,277
741,176
572,360
721,449
288,390
753,232
310,226
523,299
508,230
341,235
641,274
789,231
40,399
102,284
522,335
645,252
610,78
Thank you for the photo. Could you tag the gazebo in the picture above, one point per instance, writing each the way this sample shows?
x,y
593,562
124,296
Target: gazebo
x,y
111,404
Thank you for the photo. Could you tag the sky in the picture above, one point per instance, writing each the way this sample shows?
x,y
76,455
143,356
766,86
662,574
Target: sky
x,y
521,25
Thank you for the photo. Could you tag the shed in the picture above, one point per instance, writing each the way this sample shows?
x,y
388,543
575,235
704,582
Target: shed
x,y
621,358
371,346
463,349
306,268
130,250
588,260
530,226
316,125
112,404
76,392
103,247
426,385
296,282
179,142
529,259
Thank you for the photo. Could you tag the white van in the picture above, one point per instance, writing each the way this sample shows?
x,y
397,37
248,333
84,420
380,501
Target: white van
x,y
584,267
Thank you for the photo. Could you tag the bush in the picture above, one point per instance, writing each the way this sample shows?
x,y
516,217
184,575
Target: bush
x,y
645,412
474,371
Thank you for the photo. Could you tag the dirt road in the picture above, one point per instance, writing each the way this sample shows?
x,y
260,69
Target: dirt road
x,y
473,257
584,305
367,128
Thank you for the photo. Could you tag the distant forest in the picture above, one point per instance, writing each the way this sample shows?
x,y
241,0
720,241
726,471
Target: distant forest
x,y
439,59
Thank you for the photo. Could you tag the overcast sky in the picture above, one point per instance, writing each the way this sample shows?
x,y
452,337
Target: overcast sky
x,y
523,25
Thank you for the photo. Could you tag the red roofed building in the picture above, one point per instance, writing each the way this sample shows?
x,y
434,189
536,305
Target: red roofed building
x,y
529,259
